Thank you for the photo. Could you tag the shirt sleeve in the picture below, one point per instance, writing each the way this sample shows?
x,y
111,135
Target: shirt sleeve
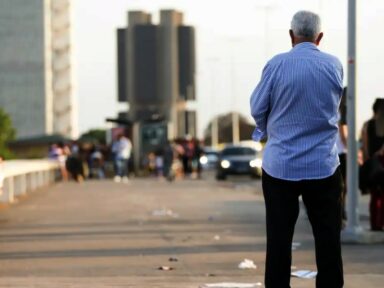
x,y
260,103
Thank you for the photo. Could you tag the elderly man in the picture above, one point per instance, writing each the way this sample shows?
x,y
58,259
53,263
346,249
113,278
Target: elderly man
x,y
295,106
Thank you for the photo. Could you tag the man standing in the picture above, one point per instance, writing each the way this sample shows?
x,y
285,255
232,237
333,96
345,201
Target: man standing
x,y
295,106
121,148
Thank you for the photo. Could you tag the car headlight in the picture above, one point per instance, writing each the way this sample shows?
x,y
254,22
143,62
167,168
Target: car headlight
x,y
203,160
256,163
225,164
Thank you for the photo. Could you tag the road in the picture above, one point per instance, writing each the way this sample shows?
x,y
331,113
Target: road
x,y
104,234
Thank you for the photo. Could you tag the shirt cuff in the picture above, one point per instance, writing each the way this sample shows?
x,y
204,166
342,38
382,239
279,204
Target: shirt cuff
x,y
258,135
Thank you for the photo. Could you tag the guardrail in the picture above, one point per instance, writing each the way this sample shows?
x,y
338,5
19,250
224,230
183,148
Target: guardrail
x,y
23,176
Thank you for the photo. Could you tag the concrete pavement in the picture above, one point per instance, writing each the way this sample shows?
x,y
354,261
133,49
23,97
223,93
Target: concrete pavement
x,y
103,234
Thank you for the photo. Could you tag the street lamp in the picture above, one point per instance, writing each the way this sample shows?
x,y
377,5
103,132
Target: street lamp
x,y
235,114
214,123
353,232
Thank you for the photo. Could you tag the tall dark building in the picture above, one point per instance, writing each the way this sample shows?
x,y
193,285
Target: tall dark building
x,y
186,42
156,76
121,66
156,70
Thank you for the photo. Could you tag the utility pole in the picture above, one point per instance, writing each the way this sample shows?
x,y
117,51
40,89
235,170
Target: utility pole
x,y
215,132
353,230
235,128
215,121
235,114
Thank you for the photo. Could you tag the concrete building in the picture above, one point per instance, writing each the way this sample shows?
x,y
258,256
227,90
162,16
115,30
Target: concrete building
x,y
36,86
156,76
156,70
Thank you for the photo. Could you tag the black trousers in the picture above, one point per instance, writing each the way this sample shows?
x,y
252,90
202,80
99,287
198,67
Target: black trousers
x,y
343,170
322,199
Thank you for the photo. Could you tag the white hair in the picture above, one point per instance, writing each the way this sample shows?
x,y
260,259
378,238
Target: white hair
x,y
306,24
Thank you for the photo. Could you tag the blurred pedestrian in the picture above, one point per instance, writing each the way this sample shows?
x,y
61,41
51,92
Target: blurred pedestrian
x,y
151,163
185,156
373,157
189,150
178,164
96,163
121,148
59,152
74,163
341,144
168,154
195,163
295,107
159,162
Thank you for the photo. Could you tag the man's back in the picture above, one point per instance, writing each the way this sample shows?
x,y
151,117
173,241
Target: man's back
x,y
301,93
296,106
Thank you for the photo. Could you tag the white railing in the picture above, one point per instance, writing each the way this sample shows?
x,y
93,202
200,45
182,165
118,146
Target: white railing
x,y
23,176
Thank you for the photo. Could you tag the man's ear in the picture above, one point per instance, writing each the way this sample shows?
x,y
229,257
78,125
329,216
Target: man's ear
x,y
292,37
318,39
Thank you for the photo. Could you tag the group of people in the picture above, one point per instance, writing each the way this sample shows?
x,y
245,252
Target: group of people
x,y
372,164
176,159
370,160
78,163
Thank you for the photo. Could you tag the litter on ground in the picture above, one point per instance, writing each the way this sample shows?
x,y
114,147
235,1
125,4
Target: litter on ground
x,y
304,274
166,268
164,212
247,264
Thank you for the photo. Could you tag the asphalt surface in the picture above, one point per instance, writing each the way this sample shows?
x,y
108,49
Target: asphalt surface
x,y
104,234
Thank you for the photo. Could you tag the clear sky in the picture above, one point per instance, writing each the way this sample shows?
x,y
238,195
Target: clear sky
x,y
234,40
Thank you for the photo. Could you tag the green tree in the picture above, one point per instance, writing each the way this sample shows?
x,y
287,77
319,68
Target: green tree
x,y
7,133
94,135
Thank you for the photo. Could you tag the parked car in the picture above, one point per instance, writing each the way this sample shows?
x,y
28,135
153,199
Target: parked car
x,y
209,158
239,160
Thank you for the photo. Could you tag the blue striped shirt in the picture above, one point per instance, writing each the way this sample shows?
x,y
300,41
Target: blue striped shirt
x,y
296,106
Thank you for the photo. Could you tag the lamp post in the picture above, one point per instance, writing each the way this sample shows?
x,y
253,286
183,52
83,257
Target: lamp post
x,y
214,123
235,114
353,231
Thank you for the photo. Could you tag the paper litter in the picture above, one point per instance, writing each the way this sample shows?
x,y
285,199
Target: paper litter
x,y
304,274
166,268
217,237
247,264
165,212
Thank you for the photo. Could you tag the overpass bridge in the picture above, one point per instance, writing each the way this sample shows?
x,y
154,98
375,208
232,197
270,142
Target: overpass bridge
x,y
106,234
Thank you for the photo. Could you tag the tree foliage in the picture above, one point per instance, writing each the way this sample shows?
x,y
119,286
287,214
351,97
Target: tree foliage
x,y
94,135
7,133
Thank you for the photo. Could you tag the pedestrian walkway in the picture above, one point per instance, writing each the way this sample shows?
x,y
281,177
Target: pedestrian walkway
x,y
105,234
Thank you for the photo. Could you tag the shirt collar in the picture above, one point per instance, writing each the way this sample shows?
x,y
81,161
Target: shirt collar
x,y
305,45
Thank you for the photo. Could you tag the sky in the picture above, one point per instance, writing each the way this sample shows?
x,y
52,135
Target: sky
x,y
235,38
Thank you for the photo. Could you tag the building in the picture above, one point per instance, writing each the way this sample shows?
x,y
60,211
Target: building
x,y
36,87
156,71
156,77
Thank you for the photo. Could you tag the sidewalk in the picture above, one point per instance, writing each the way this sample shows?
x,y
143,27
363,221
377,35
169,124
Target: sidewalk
x,y
103,234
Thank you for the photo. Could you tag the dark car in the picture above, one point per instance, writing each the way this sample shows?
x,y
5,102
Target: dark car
x,y
209,158
239,160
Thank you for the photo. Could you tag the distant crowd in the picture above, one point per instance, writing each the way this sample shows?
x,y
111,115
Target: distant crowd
x,y
172,160
176,159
